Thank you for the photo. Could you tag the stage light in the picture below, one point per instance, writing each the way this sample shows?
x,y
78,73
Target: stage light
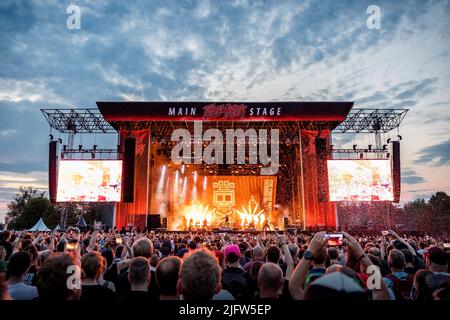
x,y
60,140
331,147
354,146
204,182
65,147
195,176
51,137
370,147
92,155
182,169
94,147
399,137
388,140
361,156
80,146
385,147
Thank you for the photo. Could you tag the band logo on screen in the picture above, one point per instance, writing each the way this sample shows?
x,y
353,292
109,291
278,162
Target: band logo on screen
x,y
360,180
89,181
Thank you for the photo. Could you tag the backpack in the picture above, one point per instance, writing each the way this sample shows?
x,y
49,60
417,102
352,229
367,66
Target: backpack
x,y
402,287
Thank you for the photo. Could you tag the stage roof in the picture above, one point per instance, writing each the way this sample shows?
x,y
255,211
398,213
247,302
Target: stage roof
x,y
224,111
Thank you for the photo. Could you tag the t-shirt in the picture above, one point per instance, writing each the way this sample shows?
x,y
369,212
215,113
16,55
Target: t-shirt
x,y
137,296
237,282
314,274
8,247
96,293
248,265
21,291
435,279
244,260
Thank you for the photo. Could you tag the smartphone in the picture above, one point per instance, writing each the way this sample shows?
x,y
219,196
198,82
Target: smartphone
x,y
446,245
119,240
384,232
72,245
334,239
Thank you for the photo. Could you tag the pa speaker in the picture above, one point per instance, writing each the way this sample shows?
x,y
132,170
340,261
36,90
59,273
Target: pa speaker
x,y
128,170
396,172
286,222
322,169
164,223
52,170
153,221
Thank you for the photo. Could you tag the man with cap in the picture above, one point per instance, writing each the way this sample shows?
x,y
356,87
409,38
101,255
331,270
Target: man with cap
x,y
436,261
234,278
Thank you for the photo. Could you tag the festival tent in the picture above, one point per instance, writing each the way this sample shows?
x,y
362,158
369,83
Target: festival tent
x,y
58,228
40,226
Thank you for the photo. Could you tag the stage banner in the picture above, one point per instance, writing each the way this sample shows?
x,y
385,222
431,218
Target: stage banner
x,y
134,213
317,213
243,202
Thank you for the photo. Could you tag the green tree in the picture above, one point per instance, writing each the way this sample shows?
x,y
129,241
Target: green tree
x,y
28,206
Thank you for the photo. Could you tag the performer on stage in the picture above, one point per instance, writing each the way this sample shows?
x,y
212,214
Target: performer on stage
x,y
205,224
266,225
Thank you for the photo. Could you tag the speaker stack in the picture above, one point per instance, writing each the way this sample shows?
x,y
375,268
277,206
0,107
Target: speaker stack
x,y
52,170
396,173
322,169
128,170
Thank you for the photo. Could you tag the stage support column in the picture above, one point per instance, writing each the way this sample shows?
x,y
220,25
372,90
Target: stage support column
x,y
302,193
149,186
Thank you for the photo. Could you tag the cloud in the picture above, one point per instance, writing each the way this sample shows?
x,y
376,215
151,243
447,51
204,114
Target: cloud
x,y
435,155
222,50
410,176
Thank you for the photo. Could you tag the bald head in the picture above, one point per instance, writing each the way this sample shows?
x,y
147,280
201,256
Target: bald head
x,y
167,275
270,280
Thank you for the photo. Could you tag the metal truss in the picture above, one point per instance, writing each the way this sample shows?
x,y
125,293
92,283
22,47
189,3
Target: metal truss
x,y
77,121
371,120
90,120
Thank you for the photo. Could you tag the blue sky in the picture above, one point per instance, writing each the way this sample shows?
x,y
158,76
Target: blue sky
x,y
225,50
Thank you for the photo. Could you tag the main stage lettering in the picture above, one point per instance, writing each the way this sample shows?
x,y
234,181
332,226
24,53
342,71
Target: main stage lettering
x,y
225,111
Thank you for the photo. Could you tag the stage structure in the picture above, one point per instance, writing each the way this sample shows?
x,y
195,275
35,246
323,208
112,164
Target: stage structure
x,y
194,194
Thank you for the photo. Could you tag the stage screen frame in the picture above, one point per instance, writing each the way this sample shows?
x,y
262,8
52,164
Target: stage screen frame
x,y
117,164
371,195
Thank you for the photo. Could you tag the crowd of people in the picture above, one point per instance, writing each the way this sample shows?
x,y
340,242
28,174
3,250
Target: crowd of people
x,y
134,265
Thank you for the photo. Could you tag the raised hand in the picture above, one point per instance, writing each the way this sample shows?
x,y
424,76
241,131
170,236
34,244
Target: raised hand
x,y
317,243
353,245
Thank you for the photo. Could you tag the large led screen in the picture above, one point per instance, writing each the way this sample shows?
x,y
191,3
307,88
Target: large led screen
x,y
89,181
360,180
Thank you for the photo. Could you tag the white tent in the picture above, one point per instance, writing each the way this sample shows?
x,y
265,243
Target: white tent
x,y
40,226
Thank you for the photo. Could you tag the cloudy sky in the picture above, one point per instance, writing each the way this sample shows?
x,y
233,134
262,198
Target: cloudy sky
x,y
225,50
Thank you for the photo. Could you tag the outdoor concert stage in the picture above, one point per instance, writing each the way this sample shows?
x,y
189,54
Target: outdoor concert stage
x,y
227,195
245,194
